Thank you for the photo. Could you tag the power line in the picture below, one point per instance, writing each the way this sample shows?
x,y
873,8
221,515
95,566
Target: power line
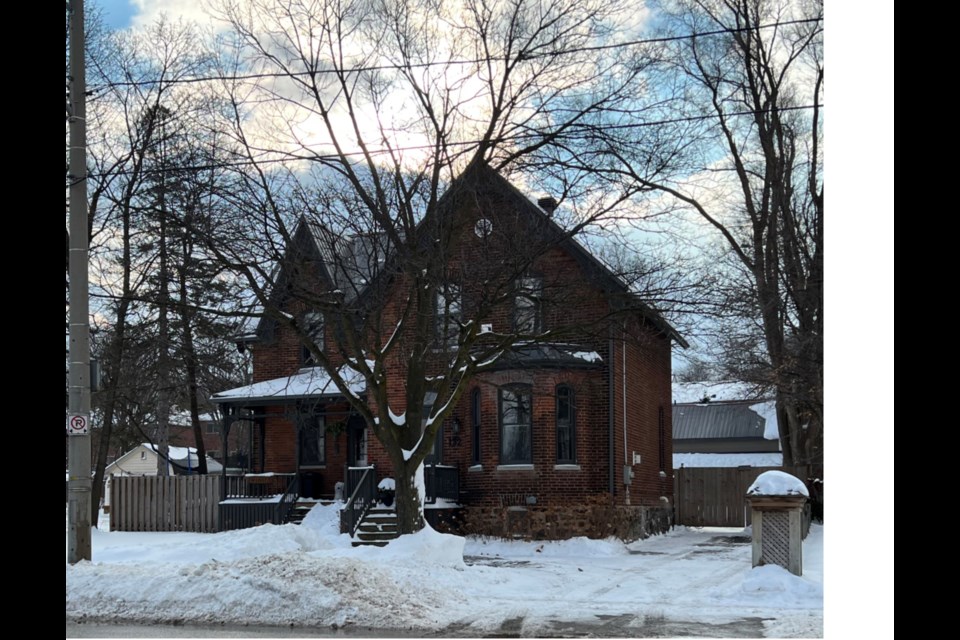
x,y
336,157
423,65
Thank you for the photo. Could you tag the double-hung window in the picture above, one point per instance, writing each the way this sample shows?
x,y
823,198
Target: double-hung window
x,y
516,425
475,425
448,314
527,305
566,426
313,327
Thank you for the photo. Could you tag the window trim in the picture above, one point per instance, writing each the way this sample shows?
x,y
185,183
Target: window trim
x,y
316,332
518,390
571,427
449,297
475,418
528,288
662,438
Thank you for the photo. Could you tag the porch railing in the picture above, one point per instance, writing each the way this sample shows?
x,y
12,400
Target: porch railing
x,y
288,500
257,499
257,485
442,481
362,484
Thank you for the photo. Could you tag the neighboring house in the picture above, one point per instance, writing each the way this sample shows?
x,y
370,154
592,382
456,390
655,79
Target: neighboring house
x,y
724,425
561,439
142,461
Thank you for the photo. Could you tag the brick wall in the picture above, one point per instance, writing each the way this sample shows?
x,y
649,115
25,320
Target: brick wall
x,y
592,517
646,388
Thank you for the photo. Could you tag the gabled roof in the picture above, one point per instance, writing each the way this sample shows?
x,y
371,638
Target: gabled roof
x,y
602,275
350,263
726,409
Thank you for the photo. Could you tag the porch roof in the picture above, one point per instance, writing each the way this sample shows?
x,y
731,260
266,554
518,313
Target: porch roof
x,y
310,382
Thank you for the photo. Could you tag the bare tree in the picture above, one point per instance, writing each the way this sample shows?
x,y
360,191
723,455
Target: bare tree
x,y
746,108
148,147
376,124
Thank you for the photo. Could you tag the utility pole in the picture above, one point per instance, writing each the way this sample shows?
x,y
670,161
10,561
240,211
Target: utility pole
x,y
78,410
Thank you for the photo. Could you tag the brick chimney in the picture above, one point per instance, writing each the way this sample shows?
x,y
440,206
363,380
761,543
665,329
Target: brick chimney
x,y
548,204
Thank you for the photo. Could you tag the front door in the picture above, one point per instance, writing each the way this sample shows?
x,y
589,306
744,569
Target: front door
x,y
357,442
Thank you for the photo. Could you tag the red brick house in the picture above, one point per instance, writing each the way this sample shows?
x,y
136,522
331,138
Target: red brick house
x,y
560,437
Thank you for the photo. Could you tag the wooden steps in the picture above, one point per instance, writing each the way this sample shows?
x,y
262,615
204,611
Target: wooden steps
x,y
378,527
301,509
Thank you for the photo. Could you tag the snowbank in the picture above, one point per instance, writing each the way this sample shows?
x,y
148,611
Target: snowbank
x,y
777,483
424,548
310,576
773,586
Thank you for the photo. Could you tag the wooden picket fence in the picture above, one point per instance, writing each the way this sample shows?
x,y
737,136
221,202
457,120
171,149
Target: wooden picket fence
x,y
716,496
173,503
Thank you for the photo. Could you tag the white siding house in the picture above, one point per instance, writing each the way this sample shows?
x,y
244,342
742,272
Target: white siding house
x,y
142,461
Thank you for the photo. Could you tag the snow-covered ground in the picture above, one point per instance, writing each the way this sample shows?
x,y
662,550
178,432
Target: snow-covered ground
x,y
309,575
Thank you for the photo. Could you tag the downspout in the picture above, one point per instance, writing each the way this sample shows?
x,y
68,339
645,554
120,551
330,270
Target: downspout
x,y
626,487
611,388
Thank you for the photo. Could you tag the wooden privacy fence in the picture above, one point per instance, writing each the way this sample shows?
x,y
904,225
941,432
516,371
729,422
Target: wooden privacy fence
x,y
715,496
173,503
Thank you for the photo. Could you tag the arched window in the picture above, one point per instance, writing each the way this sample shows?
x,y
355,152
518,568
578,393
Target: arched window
x,y
516,425
566,425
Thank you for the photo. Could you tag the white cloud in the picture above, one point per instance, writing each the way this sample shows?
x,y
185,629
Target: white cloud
x,y
150,10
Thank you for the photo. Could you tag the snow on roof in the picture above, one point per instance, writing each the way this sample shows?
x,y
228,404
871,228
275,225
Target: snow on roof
x,y
182,418
174,453
777,483
310,382
547,354
178,456
768,411
771,459
695,392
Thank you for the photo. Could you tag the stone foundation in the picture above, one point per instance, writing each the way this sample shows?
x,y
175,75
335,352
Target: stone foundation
x,y
561,522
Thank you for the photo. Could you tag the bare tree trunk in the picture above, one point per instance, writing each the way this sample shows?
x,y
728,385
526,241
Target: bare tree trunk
x,y
115,360
190,354
409,508
164,382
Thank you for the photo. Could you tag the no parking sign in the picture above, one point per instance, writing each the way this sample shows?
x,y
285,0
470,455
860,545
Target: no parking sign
x,y
78,424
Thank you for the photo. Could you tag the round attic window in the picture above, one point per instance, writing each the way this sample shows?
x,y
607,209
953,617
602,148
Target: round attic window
x,y
483,228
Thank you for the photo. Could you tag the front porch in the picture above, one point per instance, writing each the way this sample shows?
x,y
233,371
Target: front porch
x,y
305,442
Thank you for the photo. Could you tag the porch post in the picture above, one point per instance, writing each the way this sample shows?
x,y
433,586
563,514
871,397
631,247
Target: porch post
x,y
228,417
262,454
